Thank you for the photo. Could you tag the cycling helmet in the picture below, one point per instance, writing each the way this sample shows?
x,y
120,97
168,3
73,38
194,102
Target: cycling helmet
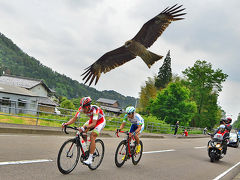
x,y
86,101
222,128
229,120
130,110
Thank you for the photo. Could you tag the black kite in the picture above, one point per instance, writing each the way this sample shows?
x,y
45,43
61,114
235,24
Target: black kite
x,y
137,46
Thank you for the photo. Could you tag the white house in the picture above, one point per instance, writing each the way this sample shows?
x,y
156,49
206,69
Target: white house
x,y
32,88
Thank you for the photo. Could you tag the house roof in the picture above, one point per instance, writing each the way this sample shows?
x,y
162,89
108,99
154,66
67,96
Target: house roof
x,y
23,82
4,88
112,109
46,101
108,101
15,90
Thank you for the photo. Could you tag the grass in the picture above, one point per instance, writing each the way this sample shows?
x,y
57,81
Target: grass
x,y
112,123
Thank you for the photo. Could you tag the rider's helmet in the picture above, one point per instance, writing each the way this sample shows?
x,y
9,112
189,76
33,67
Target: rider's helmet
x,y
229,120
130,110
85,102
222,128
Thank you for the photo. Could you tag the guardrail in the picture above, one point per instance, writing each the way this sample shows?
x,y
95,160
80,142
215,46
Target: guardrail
x,y
66,114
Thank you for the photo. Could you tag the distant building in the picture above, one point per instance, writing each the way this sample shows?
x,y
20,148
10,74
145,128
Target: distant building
x,y
34,85
25,91
110,105
17,100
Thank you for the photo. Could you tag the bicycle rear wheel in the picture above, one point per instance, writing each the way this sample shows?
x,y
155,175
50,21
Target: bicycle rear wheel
x,y
136,157
97,155
68,156
121,153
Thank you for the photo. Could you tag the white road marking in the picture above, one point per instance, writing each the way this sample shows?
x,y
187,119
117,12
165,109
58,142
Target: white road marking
x,y
200,147
150,152
8,135
225,172
25,161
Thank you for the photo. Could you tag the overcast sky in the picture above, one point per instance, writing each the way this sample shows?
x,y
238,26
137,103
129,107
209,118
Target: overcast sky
x,y
69,35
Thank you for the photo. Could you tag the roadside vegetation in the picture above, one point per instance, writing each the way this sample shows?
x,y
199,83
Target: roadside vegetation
x,y
151,122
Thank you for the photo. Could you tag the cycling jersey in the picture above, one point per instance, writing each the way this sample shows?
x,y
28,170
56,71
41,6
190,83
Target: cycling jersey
x,y
95,113
137,119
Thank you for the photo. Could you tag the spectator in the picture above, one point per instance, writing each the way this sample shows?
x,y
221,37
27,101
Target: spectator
x,y
185,132
205,130
176,128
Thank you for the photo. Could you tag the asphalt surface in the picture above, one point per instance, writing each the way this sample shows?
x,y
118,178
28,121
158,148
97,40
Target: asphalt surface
x,y
187,159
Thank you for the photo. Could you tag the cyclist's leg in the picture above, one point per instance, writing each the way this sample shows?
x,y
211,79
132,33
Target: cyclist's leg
x,y
93,137
136,136
138,147
95,133
85,133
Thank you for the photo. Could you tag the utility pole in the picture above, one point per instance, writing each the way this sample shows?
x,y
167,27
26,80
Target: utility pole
x,y
136,104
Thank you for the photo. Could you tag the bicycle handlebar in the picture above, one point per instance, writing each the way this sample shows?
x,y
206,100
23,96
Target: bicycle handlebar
x,y
125,132
65,128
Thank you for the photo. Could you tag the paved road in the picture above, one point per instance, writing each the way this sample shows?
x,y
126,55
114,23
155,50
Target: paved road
x,y
187,160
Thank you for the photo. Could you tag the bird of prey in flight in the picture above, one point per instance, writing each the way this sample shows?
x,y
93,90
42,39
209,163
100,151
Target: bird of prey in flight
x,y
137,46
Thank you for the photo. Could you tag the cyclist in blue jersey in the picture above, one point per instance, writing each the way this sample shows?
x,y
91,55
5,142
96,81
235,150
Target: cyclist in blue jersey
x,y
137,124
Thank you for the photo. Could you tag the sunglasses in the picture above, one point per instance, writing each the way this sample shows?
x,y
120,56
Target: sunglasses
x,y
129,113
85,107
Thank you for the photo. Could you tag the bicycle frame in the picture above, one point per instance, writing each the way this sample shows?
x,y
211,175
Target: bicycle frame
x,y
77,138
128,140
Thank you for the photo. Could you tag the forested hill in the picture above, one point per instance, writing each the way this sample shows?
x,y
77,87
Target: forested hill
x,y
15,62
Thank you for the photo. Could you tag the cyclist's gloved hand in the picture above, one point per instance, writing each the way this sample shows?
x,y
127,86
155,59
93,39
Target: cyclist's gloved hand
x,y
117,130
81,129
63,125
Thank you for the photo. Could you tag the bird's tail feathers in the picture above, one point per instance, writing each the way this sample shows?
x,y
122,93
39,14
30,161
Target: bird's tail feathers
x,y
150,58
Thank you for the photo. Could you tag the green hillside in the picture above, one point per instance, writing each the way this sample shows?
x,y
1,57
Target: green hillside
x,y
15,62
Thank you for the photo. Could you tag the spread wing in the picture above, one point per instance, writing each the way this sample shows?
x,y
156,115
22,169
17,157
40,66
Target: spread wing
x,y
152,29
107,62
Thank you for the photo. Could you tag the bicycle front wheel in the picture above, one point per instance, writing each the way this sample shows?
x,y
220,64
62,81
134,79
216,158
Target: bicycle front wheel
x,y
137,156
68,156
97,155
121,153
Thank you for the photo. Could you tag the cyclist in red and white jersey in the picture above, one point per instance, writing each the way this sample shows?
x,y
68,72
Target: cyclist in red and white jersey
x,y
96,122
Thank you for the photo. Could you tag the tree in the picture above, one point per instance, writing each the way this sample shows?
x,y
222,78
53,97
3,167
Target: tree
x,y
211,113
147,92
236,124
66,104
165,73
205,85
173,104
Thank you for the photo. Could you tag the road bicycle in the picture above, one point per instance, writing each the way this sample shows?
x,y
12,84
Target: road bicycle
x,y
72,150
127,149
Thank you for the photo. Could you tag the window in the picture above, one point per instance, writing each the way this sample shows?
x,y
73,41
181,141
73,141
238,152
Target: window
x,y
21,102
5,101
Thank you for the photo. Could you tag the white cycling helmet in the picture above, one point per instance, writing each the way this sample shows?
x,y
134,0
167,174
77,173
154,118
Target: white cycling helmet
x,y
130,110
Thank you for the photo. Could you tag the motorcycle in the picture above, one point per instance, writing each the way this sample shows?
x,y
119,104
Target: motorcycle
x,y
215,147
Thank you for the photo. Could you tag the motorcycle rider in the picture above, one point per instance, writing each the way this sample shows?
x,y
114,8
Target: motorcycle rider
x,y
225,133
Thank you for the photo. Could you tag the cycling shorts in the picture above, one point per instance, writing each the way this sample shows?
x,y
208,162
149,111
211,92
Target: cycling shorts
x,y
134,127
99,126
